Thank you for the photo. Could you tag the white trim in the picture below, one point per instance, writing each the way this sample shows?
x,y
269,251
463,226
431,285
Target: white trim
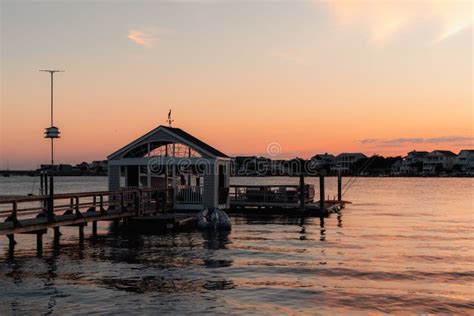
x,y
116,155
189,144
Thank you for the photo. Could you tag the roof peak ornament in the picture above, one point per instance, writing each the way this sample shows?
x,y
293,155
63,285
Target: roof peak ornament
x,y
169,120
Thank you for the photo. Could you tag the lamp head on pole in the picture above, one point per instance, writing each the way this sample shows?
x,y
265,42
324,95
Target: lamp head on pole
x,y
52,132
51,71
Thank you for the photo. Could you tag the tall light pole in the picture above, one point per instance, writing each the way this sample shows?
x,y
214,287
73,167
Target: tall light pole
x,y
51,132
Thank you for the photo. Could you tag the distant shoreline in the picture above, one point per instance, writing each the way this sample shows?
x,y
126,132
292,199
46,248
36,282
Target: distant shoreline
x,y
32,173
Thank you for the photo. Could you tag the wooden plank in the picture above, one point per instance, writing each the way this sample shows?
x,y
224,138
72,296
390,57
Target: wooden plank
x,y
38,224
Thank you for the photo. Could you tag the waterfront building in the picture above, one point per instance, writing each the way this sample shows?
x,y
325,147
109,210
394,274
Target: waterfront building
x,y
344,161
396,167
465,162
324,161
170,158
438,161
412,164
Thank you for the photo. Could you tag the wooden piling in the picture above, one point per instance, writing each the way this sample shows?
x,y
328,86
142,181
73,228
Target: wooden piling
x,y
339,187
39,241
322,195
46,190
11,240
57,235
81,232
94,229
41,183
302,195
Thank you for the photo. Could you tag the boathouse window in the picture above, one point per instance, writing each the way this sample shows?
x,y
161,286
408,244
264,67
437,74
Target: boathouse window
x,y
161,149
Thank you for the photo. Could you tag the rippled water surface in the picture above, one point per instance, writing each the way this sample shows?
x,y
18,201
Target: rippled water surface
x,y
403,245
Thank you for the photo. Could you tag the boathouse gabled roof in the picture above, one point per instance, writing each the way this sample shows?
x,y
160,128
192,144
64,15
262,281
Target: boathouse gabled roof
x,y
171,133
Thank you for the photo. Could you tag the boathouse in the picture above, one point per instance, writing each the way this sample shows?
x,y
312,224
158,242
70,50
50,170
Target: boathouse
x,y
169,158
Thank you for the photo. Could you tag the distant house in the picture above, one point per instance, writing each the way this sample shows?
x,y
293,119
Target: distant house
x,y
99,165
65,168
83,166
465,162
244,165
344,161
412,164
396,167
438,161
279,167
324,161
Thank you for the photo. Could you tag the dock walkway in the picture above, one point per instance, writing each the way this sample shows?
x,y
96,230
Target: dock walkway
x,y
37,214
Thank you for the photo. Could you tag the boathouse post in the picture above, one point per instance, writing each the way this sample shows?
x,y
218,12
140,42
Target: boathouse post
x,y
173,174
41,183
45,185
339,187
321,195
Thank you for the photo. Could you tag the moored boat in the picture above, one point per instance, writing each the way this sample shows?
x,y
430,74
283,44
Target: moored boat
x,y
213,218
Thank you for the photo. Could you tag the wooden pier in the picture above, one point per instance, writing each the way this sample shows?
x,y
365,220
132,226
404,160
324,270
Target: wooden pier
x,y
34,214
143,209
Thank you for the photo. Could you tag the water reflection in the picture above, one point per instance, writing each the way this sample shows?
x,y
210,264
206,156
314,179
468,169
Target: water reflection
x,y
322,230
273,264
49,283
215,239
339,219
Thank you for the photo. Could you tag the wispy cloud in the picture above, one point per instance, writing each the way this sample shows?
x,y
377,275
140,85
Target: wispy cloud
x,y
453,140
145,37
384,19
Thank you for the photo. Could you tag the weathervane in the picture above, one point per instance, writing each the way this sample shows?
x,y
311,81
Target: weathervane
x,y
169,120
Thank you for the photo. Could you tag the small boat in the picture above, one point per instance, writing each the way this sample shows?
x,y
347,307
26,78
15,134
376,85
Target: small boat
x,y
213,218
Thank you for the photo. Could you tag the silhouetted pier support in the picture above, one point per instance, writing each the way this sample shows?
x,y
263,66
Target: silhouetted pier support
x,y
24,216
11,241
81,232
39,241
302,195
339,187
321,195
57,235
94,229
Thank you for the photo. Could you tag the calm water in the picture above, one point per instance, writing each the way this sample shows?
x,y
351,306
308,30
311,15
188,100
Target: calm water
x,y
404,245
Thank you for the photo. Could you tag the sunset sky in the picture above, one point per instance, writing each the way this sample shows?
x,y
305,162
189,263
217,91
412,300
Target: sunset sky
x,y
380,77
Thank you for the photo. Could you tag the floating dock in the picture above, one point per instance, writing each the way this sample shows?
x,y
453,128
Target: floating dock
x,y
284,199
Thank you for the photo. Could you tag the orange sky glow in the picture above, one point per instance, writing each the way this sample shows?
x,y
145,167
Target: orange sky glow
x,y
370,76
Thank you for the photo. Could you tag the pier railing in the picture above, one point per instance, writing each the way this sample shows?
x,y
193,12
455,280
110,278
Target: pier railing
x,y
189,194
19,213
269,195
